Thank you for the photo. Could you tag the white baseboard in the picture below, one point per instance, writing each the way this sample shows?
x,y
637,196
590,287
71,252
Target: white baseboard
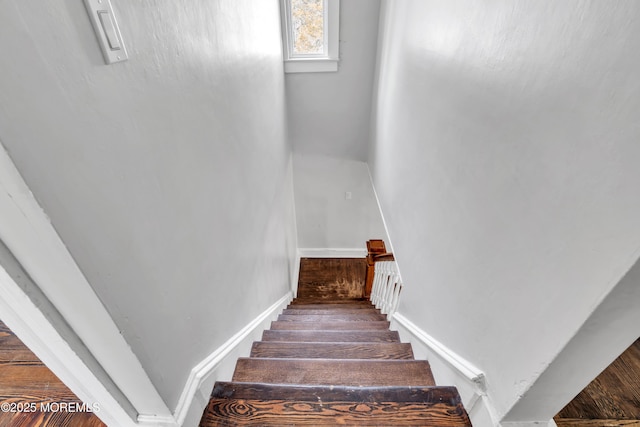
x,y
449,368
473,374
332,252
200,381
296,275
34,242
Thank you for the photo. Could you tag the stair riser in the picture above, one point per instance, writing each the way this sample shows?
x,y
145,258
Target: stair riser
x,y
335,326
333,350
331,336
326,311
367,317
309,302
346,372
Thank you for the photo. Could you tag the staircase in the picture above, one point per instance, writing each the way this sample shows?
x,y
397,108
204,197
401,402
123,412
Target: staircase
x,y
328,360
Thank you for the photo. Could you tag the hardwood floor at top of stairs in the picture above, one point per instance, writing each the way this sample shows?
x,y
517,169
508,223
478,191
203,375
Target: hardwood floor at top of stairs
x,y
332,278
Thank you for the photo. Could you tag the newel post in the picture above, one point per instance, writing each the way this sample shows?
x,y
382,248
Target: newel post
x,y
376,251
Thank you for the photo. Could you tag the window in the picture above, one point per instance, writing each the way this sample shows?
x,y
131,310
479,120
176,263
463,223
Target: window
x,y
310,30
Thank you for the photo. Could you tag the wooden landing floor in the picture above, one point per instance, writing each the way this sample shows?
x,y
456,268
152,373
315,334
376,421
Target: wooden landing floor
x,y
27,387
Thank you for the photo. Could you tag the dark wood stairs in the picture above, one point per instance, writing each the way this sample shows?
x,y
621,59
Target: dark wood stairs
x,y
328,362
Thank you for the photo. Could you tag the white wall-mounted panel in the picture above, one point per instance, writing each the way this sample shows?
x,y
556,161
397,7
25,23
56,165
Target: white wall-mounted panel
x,y
107,31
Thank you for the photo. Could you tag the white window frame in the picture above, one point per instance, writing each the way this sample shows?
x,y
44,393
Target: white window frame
x,y
313,63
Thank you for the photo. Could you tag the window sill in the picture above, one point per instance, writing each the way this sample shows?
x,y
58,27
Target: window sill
x,y
311,65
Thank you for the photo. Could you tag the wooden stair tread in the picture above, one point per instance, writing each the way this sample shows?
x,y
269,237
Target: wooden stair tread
x,y
274,413
365,317
329,326
338,311
247,404
354,372
336,301
332,350
331,336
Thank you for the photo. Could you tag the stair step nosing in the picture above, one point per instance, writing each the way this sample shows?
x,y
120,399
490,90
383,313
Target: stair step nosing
x,y
329,319
374,324
417,394
333,350
371,335
333,342
333,361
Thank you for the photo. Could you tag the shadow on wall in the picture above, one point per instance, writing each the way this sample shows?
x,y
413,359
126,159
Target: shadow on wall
x,y
336,207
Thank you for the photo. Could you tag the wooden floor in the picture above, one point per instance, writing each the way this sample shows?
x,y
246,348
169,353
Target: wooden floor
x,y
332,278
612,399
27,387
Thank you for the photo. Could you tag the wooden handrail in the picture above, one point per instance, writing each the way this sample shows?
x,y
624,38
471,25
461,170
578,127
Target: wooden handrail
x,y
384,257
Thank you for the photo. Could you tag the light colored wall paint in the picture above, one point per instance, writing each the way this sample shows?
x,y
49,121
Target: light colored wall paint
x,y
167,176
608,332
505,155
221,364
29,313
325,218
329,113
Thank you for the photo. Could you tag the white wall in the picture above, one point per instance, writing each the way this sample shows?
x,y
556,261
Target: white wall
x,y
329,113
329,122
324,216
608,332
168,176
505,156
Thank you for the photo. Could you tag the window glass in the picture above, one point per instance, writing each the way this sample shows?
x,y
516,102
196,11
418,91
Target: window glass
x,y
307,19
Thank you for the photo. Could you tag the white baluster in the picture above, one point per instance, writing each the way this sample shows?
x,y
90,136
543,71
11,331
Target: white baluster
x,y
386,287
377,280
391,278
396,299
389,296
385,283
382,268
